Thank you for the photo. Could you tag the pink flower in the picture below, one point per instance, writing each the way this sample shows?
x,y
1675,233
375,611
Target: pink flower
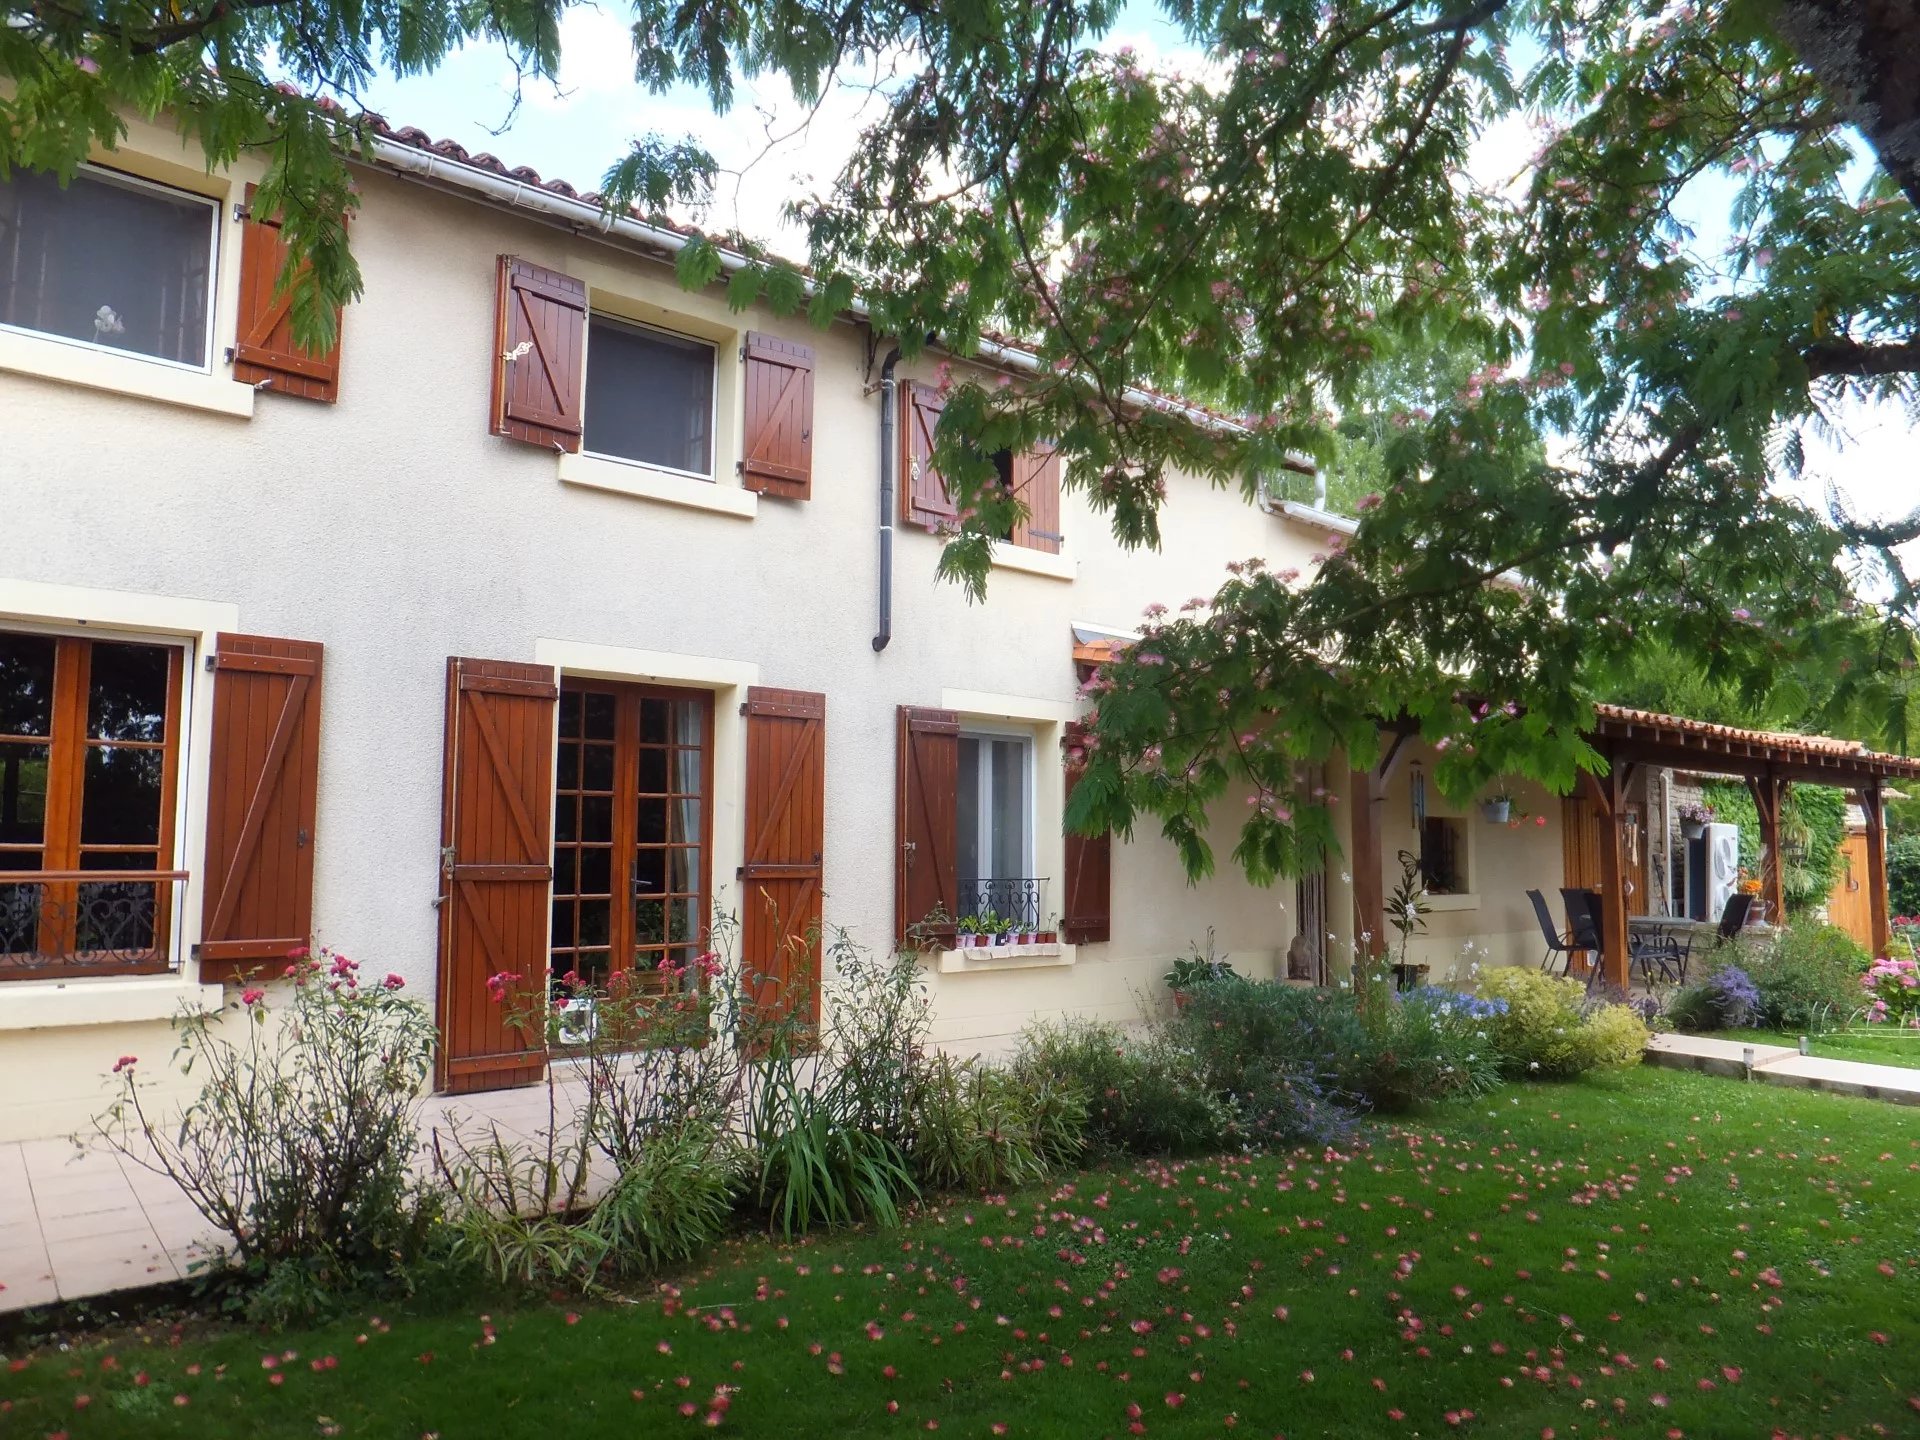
x,y
393,982
125,1062
252,995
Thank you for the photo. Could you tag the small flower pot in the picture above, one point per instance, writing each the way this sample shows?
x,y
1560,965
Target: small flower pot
x,y
979,942
1497,811
1181,999
1005,937
1693,829
1049,937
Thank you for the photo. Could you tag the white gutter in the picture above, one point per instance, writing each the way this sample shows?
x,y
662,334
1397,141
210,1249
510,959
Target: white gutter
x,y
578,214
1321,519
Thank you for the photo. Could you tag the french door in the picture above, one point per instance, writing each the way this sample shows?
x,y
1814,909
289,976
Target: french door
x,y
632,831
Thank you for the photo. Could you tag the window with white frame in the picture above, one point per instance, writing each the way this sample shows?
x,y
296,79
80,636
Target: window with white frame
x,y
649,396
993,811
109,261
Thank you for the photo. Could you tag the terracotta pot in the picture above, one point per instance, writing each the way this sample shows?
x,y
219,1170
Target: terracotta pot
x,y
1181,999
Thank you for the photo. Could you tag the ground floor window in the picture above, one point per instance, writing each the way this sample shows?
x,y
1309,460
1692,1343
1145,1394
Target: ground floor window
x,y
633,810
994,820
89,765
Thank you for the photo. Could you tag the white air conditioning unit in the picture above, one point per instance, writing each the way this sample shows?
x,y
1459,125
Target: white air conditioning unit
x,y
1723,867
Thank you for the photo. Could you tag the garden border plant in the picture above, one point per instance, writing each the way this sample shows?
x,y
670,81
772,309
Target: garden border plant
x,y
299,1145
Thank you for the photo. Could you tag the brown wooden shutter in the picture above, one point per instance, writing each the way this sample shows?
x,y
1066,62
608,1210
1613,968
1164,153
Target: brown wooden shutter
x,y
1086,915
496,869
778,451
786,836
1036,483
264,352
923,490
537,393
263,783
927,783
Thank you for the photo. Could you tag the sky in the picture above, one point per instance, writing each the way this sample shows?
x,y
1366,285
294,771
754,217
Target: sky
x,y
773,149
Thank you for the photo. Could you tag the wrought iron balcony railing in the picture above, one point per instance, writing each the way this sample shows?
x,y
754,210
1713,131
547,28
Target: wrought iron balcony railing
x,y
87,922
1019,902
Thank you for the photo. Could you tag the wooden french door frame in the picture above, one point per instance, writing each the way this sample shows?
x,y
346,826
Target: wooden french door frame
x,y
623,946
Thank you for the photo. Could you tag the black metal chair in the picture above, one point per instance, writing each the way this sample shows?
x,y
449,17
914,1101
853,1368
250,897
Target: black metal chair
x,y
1558,945
1733,917
1583,928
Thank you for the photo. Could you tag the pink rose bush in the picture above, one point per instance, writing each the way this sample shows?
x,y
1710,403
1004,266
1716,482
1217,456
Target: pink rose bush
x,y
1893,992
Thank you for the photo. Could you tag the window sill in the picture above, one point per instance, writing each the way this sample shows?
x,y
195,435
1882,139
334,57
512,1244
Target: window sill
x,y
1008,556
1006,957
643,482
1453,902
60,1004
47,359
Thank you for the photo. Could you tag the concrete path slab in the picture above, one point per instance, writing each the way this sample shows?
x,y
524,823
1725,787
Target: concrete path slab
x,y
1716,1057
1846,1077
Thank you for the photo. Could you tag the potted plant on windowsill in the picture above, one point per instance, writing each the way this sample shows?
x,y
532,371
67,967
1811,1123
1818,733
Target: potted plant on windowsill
x,y
1497,807
968,932
1050,935
1695,816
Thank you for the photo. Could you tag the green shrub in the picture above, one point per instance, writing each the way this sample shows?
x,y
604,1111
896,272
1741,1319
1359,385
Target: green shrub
x,y
673,1198
1808,978
815,1169
300,1142
1143,1096
1549,1030
982,1127
1693,1007
1903,875
1290,1058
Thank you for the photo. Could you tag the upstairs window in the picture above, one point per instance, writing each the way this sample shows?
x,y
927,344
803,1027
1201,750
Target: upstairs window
x,y
650,397
109,261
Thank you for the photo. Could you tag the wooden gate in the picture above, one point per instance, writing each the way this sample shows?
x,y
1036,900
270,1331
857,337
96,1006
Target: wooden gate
x,y
1850,906
495,870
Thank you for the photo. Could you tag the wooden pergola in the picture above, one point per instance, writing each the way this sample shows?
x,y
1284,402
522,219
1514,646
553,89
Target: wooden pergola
x,y
1767,760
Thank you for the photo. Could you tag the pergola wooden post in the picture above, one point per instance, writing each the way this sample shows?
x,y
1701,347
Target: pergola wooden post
x,y
1368,788
1769,790
1875,805
1608,795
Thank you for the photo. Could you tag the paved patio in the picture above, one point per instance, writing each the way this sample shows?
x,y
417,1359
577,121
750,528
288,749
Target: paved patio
x,y
79,1223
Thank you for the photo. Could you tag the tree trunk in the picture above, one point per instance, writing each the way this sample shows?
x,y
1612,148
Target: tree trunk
x,y
1866,55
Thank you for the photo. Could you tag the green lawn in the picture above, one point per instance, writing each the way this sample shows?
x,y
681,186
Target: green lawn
x,y
1879,1047
1654,1254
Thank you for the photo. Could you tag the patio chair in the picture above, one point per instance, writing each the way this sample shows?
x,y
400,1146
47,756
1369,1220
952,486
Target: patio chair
x,y
1733,918
1583,928
1558,945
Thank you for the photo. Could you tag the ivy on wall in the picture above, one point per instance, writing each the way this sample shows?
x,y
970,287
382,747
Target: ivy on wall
x,y
1813,820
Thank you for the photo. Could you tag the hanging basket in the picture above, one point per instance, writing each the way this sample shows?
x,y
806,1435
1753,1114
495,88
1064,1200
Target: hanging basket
x,y
1693,829
1497,811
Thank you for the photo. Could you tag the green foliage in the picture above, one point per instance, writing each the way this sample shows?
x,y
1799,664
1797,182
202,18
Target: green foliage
x,y
1297,1062
1903,875
1142,1095
668,1204
299,1144
1280,239
817,1171
1813,828
984,1127
1808,977
1548,1029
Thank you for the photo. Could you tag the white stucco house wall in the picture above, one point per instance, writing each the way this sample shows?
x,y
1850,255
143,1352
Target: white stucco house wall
x,y
156,498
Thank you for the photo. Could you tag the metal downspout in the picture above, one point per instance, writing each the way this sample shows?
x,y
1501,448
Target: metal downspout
x,y
889,458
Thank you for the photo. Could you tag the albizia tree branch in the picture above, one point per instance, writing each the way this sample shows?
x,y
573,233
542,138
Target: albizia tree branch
x,y
1274,223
